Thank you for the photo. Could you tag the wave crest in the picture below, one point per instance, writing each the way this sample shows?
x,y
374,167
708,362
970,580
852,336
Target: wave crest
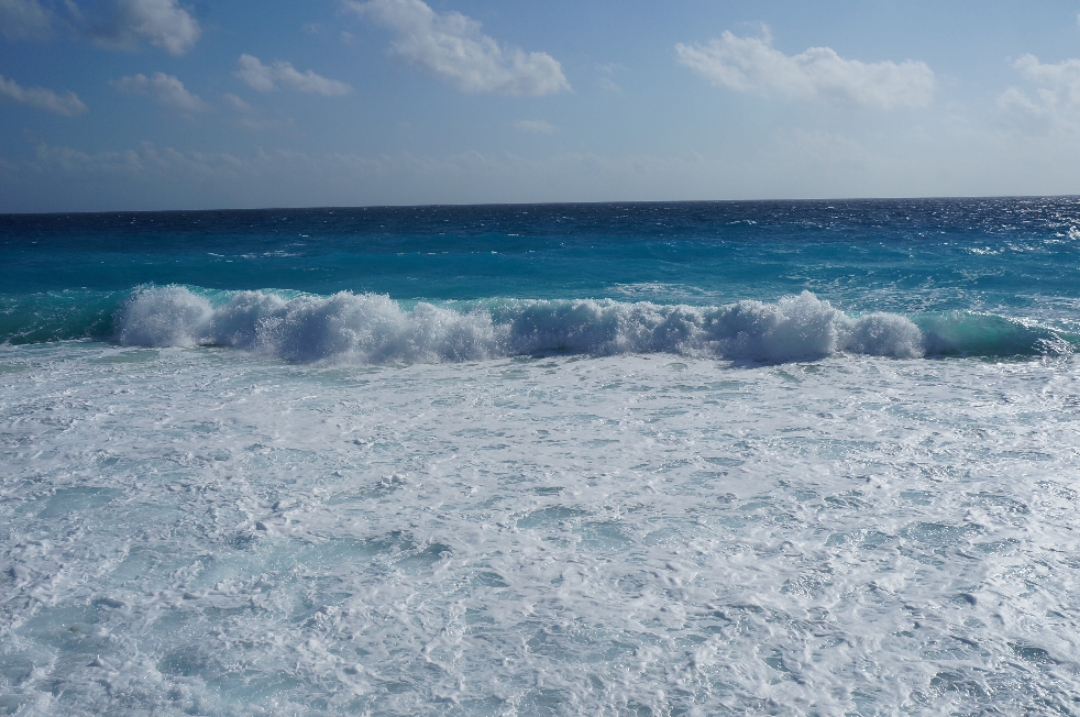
x,y
370,328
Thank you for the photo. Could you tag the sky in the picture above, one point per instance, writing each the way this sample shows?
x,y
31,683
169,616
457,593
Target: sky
x,y
161,104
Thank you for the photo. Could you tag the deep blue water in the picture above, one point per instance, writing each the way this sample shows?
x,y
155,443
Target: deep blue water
x,y
69,276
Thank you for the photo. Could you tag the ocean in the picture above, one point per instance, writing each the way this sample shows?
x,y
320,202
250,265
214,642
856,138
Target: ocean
x,y
656,459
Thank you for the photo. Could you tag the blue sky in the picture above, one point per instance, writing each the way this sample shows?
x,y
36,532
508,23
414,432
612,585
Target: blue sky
x,y
160,104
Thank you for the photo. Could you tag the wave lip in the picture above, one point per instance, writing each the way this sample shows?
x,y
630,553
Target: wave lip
x,y
370,328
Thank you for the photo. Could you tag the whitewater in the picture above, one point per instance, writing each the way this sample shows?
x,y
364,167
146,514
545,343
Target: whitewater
x,y
648,459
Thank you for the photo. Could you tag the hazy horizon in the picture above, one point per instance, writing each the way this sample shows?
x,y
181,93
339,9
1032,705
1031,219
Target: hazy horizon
x,y
463,205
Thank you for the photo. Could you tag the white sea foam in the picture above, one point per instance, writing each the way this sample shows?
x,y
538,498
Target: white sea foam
x,y
166,316
368,328
213,533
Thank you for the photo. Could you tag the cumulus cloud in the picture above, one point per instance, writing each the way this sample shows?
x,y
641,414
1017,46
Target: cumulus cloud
x,y
162,23
112,23
166,89
752,64
1056,100
66,104
534,127
266,78
23,19
451,46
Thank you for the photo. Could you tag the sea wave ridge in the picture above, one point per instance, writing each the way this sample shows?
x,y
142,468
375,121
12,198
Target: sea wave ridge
x,y
370,328
375,329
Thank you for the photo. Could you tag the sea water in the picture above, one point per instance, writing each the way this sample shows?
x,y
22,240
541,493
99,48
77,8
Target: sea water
x,y
814,458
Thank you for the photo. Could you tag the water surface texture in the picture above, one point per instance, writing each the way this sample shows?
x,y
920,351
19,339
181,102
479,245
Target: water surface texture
x,y
814,458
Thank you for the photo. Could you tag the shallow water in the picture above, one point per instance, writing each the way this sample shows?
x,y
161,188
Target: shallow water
x,y
187,531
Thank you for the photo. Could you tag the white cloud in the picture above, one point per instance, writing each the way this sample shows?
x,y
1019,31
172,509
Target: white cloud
x,y
451,46
534,127
20,19
166,89
1056,102
751,64
66,104
266,78
236,103
163,23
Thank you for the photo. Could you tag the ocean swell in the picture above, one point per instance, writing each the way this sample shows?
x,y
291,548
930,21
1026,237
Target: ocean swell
x,y
374,329
369,328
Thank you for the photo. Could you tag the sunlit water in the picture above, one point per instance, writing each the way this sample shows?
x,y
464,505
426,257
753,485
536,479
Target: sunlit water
x,y
573,499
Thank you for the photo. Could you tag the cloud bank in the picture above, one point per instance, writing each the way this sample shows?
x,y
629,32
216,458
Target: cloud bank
x,y
266,78
752,64
166,89
66,104
452,47
24,19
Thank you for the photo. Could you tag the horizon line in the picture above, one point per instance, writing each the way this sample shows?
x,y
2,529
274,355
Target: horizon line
x,y
467,205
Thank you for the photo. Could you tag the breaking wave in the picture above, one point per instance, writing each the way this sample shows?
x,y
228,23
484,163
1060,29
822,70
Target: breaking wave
x,y
372,329
369,328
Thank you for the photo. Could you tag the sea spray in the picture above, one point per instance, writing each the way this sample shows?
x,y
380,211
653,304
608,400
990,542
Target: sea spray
x,y
372,328
368,328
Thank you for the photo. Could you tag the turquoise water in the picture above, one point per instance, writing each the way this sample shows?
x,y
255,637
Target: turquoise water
x,y
963,270
815,458
953,251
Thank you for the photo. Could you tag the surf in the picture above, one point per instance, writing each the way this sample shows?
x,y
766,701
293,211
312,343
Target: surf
x,y
366,328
